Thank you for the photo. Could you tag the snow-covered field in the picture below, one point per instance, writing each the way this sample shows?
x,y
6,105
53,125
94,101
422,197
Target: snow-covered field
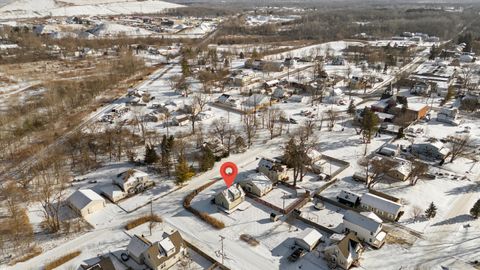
x,y
42,8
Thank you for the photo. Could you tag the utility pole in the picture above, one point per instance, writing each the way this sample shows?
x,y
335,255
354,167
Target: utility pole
x,y
223,253
151,216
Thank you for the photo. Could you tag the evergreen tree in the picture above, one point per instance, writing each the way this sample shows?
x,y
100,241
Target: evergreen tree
x,y
150,154
369,124
242,55
400,133
433,53
185,67
431,211
206,159
351,108
183,172
475,211
166,154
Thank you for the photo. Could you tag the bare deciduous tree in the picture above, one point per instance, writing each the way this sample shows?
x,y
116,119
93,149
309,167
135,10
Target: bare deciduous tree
x,y
458,146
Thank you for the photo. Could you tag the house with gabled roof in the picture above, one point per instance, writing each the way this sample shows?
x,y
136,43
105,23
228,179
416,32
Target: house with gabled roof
x,y
230,197
131,179
383,207
85,202
162,254
345,253
257,184
367,227
166,252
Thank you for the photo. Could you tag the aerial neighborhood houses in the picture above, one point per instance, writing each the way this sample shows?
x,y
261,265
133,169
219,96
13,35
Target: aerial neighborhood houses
x,y
162,254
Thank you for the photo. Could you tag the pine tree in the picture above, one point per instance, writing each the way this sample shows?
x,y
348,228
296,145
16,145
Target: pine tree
x,y
400,133
475,211
431,211
150,154
207,159
370,123
351,108
242,55
183,172
167,146
185,67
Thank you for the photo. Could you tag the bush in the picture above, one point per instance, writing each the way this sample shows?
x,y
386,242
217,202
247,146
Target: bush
x,y
33,252
216,223
141,220
65,258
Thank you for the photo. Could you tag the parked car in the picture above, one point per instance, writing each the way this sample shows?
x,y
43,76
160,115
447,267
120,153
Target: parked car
x,y
297,254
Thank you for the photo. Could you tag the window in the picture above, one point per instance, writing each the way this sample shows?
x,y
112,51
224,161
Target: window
x,y
371,233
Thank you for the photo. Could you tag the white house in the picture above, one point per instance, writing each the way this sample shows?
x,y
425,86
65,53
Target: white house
x,y
272,169
367,227
130,180
85,201
230,197
257,184
308,239
113,192
345,253
384,208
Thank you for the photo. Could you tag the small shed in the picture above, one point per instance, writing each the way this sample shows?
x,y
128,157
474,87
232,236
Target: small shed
x,y
308,239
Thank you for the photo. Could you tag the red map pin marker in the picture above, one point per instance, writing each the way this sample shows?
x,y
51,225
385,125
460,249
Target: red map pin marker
x,y
229,171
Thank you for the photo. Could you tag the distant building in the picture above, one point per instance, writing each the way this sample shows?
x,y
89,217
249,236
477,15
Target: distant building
x,y
231,197
345,253
449,116
383,207
421,88
85,202
367,227
430,150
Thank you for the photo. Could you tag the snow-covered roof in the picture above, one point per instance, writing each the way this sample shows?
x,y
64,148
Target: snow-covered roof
x,y
130,174
233,193
310,236
83,197
259,180
138,245
348,196
167,247
380,203
372,225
